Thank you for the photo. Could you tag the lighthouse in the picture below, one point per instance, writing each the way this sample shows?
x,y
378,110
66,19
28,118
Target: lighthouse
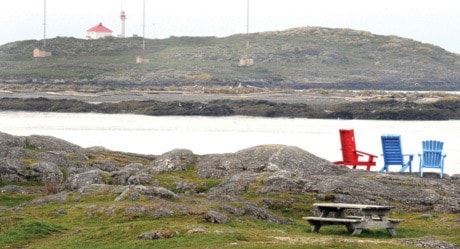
x,y
122,18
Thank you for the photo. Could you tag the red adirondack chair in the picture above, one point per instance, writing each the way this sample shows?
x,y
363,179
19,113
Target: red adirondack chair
x,y
350,154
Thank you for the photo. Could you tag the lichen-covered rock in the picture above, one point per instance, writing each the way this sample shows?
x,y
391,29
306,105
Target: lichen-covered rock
x,y
46,172
12,170
184,186
140,178
8,140
56,157
105,165
266,158
233,185
177,159
216,217
120,177
59,197
49,143
129,194
262,214
86,178
162,234
133,168
157,191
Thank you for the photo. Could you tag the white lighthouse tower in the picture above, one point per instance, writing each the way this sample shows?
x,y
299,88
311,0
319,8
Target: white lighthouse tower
x,y
122,18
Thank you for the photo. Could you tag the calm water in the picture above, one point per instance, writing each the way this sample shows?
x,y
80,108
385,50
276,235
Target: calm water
x,y
205,135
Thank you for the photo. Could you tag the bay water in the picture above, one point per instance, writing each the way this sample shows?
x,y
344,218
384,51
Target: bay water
x,y
208,135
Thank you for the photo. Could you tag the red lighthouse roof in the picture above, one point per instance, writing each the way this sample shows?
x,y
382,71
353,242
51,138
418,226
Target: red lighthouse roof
x,y
99,28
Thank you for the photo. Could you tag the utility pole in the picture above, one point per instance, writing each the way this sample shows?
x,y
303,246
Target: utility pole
x,y
247,25
247,18
44,24
143,29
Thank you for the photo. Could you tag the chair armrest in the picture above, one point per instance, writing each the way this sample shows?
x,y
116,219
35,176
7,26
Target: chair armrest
x,y
409,155
364,153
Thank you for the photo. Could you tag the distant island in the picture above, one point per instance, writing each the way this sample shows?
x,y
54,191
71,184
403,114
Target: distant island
x,y
298,58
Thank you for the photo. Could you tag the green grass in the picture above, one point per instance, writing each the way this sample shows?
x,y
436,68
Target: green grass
x,y
14,199
85,226
28,231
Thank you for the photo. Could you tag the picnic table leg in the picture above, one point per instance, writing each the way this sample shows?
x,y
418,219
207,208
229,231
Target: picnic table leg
x,y
357,231
316,228
392,231
350,227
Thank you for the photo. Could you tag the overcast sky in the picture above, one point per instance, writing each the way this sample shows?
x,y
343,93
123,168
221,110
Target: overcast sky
x,y
430,21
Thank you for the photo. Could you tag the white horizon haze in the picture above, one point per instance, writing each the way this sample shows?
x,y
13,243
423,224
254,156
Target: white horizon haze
x,y
427,21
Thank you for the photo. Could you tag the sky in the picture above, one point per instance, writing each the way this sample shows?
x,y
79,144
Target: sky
x,y
435,22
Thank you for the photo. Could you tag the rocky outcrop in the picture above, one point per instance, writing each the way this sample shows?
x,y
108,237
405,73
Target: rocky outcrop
x,y
267,158
278,168
264,171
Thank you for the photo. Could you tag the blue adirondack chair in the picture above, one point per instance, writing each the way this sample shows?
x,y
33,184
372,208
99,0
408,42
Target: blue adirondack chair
x,y
432,157
392,154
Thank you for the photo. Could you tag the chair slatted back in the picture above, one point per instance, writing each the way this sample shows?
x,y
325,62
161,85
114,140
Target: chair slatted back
x,y
432,153
347,141
392,152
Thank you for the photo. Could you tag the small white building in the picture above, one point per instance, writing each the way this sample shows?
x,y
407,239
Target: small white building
x,y
246,61
141,60
40,53
98,31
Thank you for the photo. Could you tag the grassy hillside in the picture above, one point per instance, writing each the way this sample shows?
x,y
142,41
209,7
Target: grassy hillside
x,y
295,58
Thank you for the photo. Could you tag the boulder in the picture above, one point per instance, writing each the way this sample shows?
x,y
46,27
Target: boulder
x,y
262,214
177,159
157,191
105,165
266,158
8,140
216,217
120,177
162,234
49,143
140,178
133,168
46,172
86,178
11,170
59,197
55,157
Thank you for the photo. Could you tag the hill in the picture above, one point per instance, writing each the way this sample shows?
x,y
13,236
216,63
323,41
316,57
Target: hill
x,y
309,57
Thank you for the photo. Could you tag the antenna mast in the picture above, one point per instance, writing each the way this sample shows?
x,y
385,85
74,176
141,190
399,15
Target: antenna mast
x,y
246,60
44,23
247,24
247,18
143,29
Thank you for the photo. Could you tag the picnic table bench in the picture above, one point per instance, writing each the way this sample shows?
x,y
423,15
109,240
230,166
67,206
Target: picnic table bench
x,y
373,216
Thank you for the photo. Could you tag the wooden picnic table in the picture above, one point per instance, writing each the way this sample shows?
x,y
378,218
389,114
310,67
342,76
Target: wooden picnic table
x,y
372,216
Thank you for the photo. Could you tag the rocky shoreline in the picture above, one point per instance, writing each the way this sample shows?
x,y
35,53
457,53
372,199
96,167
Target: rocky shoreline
x,y
323,104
